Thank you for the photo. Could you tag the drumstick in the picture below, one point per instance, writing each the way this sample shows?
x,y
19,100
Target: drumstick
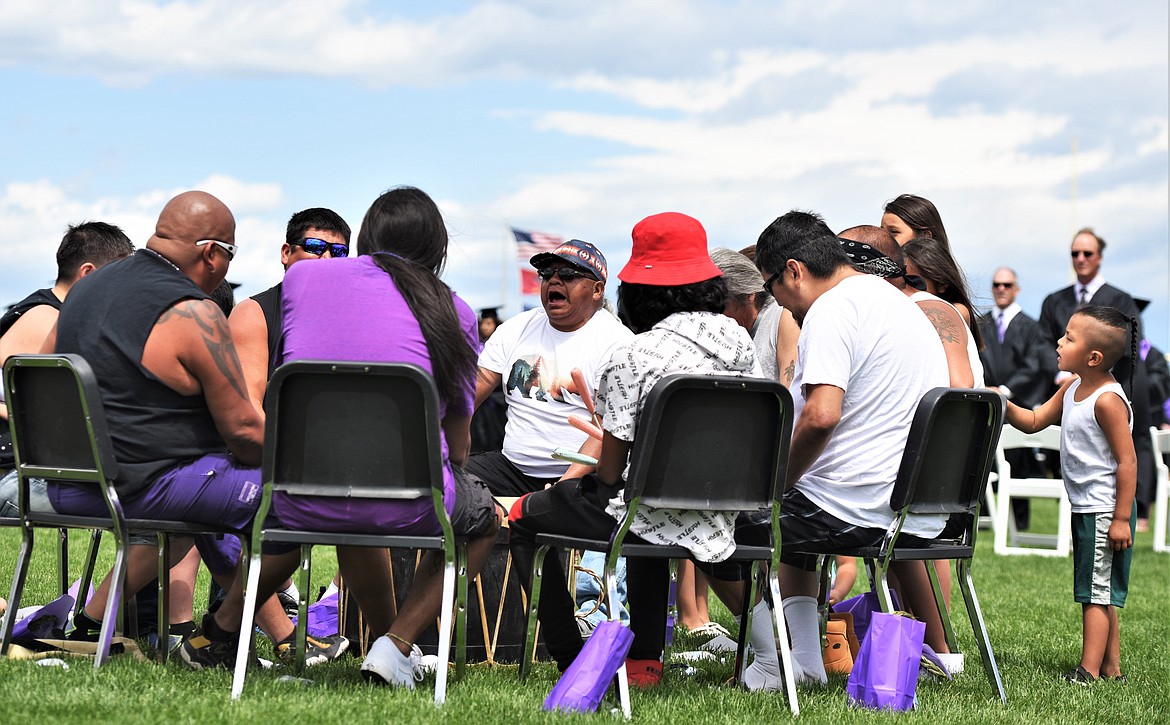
x,y
584,424
586,395
573,457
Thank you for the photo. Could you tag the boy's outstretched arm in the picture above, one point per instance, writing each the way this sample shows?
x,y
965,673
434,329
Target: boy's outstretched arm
x,y
1045,414
1113,417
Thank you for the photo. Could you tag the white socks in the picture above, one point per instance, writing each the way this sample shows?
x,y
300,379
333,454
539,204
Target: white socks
x,y
764,671
805,632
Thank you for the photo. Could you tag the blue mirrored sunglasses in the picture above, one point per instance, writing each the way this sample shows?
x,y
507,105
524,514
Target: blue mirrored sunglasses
x,y
312,245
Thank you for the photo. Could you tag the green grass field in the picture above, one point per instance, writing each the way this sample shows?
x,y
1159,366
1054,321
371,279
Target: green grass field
x,y
1027,601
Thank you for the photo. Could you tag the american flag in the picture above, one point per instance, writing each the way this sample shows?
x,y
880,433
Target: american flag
x,y
528,244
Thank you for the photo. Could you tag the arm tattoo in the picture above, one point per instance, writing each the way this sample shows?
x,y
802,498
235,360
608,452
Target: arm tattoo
x,y
789,373
944,325
217,339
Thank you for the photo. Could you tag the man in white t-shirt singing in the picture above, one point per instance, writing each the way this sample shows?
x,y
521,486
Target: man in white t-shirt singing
x,y
532,355
866,357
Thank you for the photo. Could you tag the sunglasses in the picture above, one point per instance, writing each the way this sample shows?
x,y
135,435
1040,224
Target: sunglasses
x,y
1002,285
229,248
566,274
771,281
312,245
1079,253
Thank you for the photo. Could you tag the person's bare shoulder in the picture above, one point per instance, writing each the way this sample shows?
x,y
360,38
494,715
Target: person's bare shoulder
x,y
28,333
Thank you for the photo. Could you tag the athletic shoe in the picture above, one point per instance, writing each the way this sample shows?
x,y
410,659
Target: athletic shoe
x,y
82,628
720,643
1080,676
386,665
288,599
317,649
643,674
710,629
180,633
201,652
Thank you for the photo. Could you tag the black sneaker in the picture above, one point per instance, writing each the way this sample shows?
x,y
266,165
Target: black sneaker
x,y
83,628
202,652
288,602
317,649
1080,676
180,633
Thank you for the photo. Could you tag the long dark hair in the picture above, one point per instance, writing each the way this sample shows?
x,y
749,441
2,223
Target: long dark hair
x,y
404,233
1114,346
935,263
642,306
920,215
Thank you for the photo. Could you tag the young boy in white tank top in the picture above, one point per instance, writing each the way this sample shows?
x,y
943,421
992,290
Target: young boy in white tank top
x,y
1099,467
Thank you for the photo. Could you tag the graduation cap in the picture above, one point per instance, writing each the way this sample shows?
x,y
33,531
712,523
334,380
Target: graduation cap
x,y
493,313
1141,304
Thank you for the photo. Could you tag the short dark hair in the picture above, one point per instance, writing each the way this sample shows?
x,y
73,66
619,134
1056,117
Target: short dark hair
x,y
316,218
800,235
919,214
642,306
1114,335
98,243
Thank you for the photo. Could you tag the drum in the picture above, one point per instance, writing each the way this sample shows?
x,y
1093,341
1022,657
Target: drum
x,y
497,610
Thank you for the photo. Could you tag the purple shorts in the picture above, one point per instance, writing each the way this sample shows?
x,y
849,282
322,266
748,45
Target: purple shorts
x,y
213,489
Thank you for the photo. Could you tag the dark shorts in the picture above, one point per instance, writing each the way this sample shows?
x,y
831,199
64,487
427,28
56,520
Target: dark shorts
x,y
502,476
806,531
1100,574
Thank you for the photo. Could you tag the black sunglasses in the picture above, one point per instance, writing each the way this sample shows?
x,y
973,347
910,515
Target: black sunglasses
x,y
566,274
1077,253
771,281
312,245
1004,285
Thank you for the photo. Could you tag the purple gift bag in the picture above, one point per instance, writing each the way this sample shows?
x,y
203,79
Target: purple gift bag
x,y
863,607
323,619
582,686
885,674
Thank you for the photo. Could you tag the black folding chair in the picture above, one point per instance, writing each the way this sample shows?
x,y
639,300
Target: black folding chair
x,y
944,470
59,433
707,442
363,430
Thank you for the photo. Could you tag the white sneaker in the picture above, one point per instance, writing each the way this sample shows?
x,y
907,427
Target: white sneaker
x,y
953,661
385,664
719,643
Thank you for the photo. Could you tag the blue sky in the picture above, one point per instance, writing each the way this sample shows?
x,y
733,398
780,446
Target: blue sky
x,y
1021,121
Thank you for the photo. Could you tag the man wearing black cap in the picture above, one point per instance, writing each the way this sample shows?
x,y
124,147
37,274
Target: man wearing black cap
x,y
532,356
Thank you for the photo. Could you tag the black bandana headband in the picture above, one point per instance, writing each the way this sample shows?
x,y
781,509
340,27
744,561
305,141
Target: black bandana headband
x,y
869,260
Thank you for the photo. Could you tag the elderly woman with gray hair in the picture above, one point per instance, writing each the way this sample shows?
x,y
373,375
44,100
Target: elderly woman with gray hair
x,y
772,328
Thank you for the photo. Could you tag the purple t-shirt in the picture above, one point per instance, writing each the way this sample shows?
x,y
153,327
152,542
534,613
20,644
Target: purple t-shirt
x,y
349,309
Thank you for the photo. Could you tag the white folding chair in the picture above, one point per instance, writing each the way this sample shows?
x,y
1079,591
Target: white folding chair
x,y
1007,539
1161,439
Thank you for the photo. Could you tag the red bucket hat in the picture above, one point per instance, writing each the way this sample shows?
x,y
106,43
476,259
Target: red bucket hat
x,y
669,249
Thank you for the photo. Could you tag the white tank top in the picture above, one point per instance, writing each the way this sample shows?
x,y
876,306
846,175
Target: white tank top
x,y
1086,461
972,349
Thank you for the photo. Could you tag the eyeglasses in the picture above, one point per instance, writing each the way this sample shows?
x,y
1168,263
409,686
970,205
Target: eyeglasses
x,y
229,248
566,274
771,281
1081,253
1002,285
312,245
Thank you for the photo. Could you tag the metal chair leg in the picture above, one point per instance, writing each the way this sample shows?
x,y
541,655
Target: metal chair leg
x,y
18,579
113,601
163,648
623,684
745,623
967,585
95,541
302,628
445,615
671,611
62,561
533,607
944,611
782,644
247,620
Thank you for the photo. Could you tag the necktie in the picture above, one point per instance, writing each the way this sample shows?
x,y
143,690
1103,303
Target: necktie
x,y
1084,299
999,324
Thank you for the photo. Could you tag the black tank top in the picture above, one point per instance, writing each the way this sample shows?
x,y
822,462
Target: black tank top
x,y
107,319
269,301
36,299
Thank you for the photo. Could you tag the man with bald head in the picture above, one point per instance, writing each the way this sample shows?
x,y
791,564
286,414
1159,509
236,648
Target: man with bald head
x,y
186,436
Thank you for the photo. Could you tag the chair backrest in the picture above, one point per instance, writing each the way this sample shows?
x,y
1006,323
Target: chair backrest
x,y
712,442
948,455
57,419
1047,439
366,430
1161,443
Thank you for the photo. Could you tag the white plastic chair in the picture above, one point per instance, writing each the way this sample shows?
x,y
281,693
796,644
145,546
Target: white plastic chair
x,y
1161,439
1007,539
